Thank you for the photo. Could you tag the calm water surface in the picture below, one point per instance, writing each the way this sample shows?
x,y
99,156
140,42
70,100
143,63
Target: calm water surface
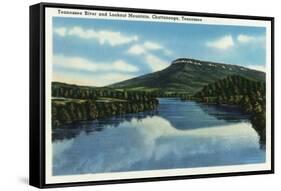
x,y
177,135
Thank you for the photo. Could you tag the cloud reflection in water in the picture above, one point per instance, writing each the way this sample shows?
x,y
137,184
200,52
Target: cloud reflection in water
x,y
153,143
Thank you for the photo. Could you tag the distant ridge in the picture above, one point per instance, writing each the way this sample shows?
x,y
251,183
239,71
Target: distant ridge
x,y
187,75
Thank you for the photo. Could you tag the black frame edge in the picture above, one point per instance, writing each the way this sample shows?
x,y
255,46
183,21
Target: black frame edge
x,y
157,179
37,95
272,21
35,127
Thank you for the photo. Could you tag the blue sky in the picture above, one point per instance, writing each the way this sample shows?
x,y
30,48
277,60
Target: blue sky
x,y
100,52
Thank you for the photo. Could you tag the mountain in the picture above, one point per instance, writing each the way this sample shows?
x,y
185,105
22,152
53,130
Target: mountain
x,y
187,75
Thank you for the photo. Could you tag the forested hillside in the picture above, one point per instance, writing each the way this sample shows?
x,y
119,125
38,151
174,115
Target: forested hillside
x,y
188,76
72,103
238,90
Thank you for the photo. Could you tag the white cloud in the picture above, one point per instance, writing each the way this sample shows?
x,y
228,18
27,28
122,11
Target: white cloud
x,y
103,36
82,64
61,31
98,80
136,49
144,50
152,46
222,43
121,65
245,38
148,45
257,67
155,62
139,49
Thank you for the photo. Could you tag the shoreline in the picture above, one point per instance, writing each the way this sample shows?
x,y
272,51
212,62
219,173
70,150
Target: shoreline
x,y
67,112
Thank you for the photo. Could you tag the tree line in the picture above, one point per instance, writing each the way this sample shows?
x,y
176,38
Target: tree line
x,y
237,90
64,112
73,103
84,92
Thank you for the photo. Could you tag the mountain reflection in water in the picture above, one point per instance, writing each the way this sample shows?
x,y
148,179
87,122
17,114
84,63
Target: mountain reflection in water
x,y
178,135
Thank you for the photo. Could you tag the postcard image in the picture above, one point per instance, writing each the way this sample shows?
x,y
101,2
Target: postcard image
x,y
136,95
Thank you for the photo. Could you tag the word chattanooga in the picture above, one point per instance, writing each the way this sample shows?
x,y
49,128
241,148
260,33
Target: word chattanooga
x,y
127,15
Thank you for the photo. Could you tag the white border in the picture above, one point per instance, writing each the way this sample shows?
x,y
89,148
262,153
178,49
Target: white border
x,y
51,12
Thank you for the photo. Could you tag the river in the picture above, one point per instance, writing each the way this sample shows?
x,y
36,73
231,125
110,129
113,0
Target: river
x,y
177,135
